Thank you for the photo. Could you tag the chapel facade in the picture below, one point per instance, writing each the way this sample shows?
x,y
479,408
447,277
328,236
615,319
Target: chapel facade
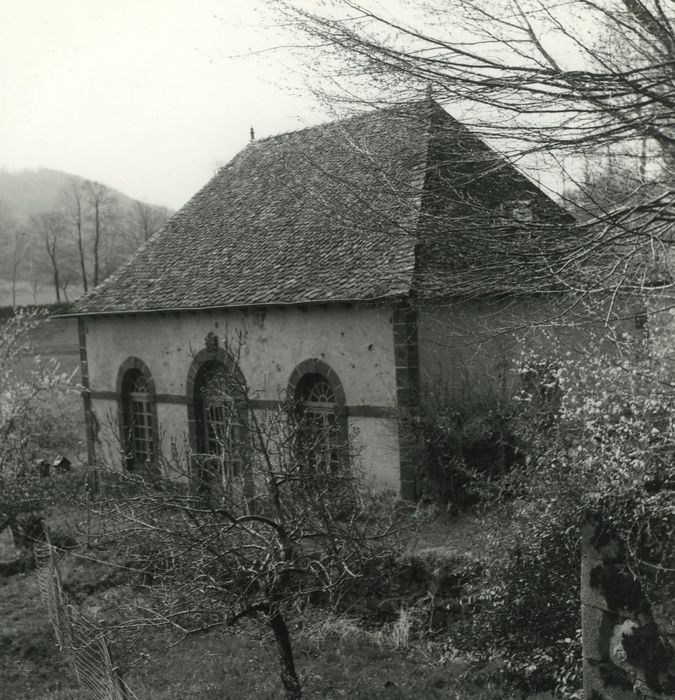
x,y
336,273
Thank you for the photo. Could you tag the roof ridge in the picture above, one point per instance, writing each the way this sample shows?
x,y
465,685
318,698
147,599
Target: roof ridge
x,y
341,121
432,104
296,217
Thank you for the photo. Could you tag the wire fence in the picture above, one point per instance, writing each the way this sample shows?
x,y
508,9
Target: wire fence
x,y
80,639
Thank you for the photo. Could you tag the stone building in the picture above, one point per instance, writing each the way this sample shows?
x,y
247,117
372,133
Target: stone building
x,y
343,266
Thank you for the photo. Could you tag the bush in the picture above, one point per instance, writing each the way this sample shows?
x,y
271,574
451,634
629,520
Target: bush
x,y
525,610
600,439
8,312
464,441
32,422
31,393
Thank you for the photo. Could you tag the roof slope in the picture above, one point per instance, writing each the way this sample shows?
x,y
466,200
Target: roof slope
x,y
326,213
367,208
484,227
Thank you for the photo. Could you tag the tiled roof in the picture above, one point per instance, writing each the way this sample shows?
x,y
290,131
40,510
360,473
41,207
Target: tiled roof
x,y
329,213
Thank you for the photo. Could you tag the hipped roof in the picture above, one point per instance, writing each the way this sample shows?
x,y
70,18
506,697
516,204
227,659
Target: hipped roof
x,y
329,213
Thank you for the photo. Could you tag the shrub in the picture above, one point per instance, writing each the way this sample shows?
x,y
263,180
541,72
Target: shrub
x,y
464,441
599,438
525,610
31,416
9,312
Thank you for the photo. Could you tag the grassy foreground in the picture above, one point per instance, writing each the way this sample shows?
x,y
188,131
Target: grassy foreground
x,y
335,657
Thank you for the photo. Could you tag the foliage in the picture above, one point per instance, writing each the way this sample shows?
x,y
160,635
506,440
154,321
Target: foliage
x,y
597,436
613,450
32,421
525,610
29,388
7,312
464,440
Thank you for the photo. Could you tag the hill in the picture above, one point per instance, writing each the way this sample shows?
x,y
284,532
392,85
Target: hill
x,y
31,192
61,234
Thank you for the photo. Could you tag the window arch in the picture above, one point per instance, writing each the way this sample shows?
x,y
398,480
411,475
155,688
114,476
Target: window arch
x,y
318,401
138,417
219,415
218,421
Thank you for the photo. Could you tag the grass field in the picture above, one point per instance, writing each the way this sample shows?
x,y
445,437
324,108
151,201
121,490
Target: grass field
x,y
335,657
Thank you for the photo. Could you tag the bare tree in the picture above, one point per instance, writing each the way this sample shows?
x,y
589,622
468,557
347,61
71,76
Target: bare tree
x,y
65,280
527,57
539,79
111,252
18,254
7,223
273,516
143,221
73,198
103,207
50,227
12,239
32,416
35,271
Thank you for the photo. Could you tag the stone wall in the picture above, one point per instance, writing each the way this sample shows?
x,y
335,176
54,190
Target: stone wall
x,y
627,642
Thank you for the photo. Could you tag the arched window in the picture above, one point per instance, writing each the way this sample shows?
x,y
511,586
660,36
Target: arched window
x,y
138,424
219,416
321,426
219,428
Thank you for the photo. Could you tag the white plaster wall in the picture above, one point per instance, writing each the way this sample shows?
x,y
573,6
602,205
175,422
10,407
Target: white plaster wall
x,y
376,451
357,343
468,345
108,450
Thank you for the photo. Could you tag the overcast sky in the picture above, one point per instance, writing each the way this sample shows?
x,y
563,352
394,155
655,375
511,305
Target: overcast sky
x,y
147,96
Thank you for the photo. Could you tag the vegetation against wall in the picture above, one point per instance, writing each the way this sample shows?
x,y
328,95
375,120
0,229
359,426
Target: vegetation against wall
x,y
33,425
596,437
268,515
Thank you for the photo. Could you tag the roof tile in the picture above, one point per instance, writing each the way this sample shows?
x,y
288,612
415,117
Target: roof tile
x,y
332,212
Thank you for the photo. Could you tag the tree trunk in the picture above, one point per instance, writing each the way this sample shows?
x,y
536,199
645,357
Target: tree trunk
x,y
57,286
97,237
80,248
16,261
283,639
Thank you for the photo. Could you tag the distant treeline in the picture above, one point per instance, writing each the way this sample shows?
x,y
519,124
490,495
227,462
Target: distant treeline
x,y
62,231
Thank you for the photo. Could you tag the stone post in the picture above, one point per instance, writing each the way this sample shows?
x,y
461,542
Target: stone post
x,y
626,642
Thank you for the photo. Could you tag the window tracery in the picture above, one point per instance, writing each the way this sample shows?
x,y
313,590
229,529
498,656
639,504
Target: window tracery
x,y
318,440
137,425
220,421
